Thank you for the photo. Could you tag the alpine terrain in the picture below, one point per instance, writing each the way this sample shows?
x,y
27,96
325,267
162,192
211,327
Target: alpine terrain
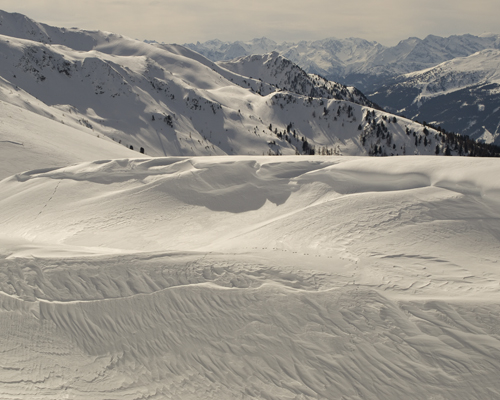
x,y
153,246
353,61
168,100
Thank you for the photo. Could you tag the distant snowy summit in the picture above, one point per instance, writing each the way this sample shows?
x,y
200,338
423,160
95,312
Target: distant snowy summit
x,y
353,61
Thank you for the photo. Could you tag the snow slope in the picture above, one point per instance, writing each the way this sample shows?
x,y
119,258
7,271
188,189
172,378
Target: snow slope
x,y
31,141
252,277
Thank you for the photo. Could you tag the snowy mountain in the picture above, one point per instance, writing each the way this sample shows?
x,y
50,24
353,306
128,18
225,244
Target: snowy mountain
x,y
415,54
329,57
385,74
462,95
252,277
216,50
169,100
357,62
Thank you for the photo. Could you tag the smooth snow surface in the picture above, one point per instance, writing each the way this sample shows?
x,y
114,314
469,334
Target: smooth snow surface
x,y
29,141
252,277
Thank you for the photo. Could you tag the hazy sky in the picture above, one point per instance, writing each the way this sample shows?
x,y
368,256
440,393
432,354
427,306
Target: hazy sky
x,y
182,21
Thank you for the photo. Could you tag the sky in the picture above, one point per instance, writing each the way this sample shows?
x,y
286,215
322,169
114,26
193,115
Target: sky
x,y
186,21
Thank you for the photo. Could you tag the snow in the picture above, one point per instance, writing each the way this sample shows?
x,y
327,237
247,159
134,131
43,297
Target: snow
x,y
282,73
124,276
251,277
487,136
171,101
29,141
481,68
338,58
454,93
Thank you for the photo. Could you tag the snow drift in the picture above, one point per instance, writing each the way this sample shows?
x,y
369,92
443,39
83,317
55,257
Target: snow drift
x,y
251,277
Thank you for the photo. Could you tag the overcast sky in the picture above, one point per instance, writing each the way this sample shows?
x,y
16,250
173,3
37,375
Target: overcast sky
x,y
183,21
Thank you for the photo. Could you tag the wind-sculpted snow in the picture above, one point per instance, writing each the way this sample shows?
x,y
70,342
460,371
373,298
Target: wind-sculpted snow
x,y
271,341
251,277
231,277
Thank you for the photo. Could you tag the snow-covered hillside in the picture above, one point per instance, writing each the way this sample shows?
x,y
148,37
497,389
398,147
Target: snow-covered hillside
x,y
169,100
463,94
30,141
252,277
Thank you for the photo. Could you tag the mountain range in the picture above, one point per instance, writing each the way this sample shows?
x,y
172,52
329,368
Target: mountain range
x,y
354,61
168,100
387,75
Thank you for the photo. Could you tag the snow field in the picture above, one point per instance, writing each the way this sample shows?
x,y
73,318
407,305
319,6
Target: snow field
x,y
251,277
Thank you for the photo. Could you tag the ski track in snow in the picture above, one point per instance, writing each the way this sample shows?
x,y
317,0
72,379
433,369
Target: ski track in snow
x,y
251,277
